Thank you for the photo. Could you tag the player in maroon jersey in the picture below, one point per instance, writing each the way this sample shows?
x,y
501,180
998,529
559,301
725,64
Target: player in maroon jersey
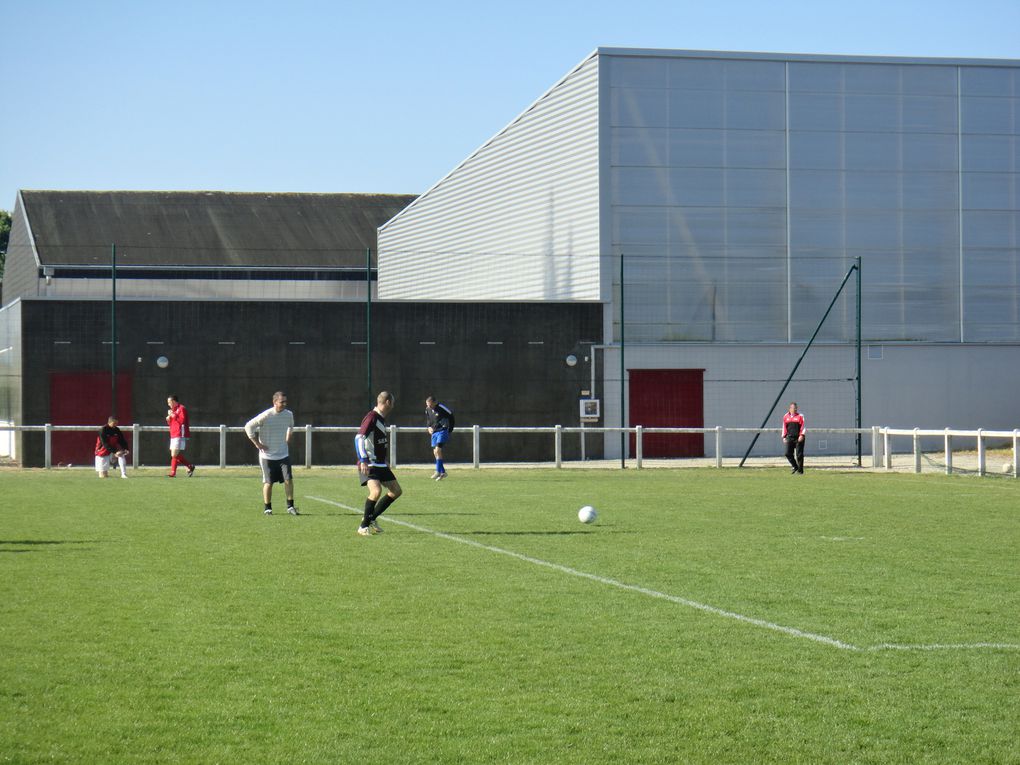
x,y
372,446
793,437
180,431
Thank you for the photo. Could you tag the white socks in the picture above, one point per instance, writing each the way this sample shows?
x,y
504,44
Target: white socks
x,y
122,461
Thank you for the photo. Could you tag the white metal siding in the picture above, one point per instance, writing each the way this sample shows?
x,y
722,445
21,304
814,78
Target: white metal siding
x,y
518,220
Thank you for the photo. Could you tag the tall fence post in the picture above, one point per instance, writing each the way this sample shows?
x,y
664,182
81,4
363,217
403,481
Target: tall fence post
x,y
949,453
475,443
223,446
981,452
886,449
308,445
1016,452
639,445
917,451
136,440
876,447
718,446
558,445
393,445
48,445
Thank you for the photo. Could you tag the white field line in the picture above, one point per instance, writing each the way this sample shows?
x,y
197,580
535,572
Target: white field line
x,y
792,631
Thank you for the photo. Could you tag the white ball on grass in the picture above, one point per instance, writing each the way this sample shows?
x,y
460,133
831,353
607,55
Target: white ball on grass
x,y
587,514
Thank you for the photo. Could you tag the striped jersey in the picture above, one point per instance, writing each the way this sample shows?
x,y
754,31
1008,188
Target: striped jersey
x,y
272,427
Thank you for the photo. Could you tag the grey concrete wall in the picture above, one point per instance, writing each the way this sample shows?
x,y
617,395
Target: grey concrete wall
x,y
904,385
494,364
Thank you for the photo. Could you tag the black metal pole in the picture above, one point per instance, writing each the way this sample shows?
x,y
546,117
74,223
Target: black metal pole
x,y
368,323
858,265
113,330
795,366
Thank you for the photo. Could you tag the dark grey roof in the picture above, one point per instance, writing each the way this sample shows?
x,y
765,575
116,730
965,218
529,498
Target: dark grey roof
x,y
207,228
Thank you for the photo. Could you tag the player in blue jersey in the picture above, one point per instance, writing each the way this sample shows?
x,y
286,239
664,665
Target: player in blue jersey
x,y
440,421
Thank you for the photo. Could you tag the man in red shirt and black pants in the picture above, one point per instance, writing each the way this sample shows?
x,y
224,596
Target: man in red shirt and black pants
x,y
180,431
793,436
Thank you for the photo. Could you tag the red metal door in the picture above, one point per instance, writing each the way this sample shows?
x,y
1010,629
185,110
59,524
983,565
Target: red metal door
x,y
668,398
83,398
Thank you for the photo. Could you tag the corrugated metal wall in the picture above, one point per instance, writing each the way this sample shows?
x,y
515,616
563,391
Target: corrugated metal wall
x,y
518,220
21,272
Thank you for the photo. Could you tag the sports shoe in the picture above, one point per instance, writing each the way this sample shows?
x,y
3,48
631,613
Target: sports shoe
x,y
435,475
292,510
793,471
123,475
364,531
441,476
171,475
191,471
268,511
376,528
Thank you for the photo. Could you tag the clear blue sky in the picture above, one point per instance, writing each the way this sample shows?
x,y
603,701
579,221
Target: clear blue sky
x,y
371,96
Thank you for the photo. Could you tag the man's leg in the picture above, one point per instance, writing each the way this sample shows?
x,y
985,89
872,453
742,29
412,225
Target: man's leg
x,y
173,462
288,490
440,467
182,460
267,496
374,490
393,491
791,446
122,463
800,456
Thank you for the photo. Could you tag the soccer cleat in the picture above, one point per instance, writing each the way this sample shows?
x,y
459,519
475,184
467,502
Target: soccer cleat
x,y
268,511
793,471
441,476
292,510
171,475
364,531
123,475
376,528
434,476
191,471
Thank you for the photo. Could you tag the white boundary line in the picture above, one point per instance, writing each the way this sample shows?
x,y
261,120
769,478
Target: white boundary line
x,y
791,631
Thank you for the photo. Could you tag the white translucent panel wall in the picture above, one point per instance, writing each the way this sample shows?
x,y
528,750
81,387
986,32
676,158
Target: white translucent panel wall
x,y
698,197
990,112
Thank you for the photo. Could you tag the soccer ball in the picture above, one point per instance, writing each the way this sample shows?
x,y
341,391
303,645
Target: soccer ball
x,y
162,362
587,514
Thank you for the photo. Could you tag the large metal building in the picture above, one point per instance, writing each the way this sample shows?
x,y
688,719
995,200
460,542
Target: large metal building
x,y
732,191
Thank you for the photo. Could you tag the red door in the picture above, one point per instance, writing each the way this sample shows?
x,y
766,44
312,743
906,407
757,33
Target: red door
x,y
83,398
668,398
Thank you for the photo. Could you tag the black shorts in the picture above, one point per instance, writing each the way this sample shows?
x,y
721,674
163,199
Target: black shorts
x,y
375,473
275,471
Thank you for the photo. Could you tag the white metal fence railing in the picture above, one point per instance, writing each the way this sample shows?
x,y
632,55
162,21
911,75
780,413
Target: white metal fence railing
x,y
883,440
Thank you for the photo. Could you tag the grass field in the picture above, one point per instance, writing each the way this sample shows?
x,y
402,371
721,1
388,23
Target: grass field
x,y
724,617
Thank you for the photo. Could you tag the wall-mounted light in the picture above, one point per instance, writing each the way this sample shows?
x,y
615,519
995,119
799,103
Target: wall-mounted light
x,y
571,360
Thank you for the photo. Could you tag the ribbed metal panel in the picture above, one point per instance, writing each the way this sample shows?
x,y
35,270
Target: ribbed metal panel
x,y
518,220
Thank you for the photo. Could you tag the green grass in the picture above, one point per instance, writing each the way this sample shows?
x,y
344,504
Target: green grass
x,y
169,621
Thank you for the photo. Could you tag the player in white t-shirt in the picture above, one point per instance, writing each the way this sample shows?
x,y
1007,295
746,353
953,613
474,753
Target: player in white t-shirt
x,y
270,432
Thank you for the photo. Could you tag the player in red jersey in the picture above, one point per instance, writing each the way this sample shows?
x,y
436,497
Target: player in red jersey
x,y
793,437
111,443
180,431
372,446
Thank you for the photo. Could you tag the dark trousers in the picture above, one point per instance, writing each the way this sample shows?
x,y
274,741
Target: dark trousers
x,y
795,452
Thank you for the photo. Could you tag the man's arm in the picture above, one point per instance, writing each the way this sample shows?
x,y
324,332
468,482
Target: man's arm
x,y
803,428
363,443
252,427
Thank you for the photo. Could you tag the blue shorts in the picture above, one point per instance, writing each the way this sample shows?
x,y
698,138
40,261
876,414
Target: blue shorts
x,y
440,438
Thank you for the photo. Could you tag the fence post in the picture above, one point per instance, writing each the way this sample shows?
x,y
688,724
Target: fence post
x,y
48,445
639,447
223,446
393,445
917,451
886,449
718,446
981,452
558,445
308,445
136,439
475,441
1016,451
949,453
876,447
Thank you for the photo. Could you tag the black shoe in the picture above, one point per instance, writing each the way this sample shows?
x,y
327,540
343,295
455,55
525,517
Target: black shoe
x,y
800,470
793,470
